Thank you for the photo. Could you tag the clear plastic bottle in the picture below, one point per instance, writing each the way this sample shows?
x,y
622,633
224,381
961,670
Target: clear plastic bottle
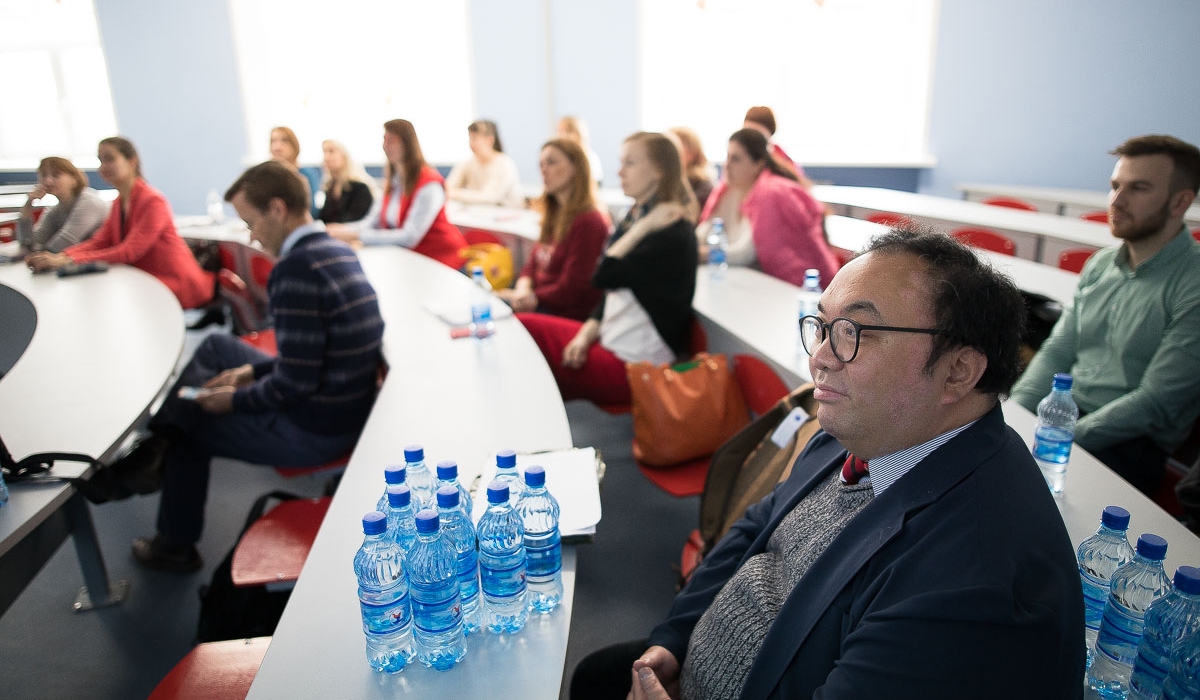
x,y
392,474
1168,620
1183,682
502,563
506,471
437,608
1134,587
810,294
718,249
539,513
379,566
215,207
481,304
1099,556
459,529
1055,432
447,475
401,521
419,479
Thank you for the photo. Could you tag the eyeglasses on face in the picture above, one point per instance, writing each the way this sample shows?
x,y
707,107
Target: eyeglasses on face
x,y
843,335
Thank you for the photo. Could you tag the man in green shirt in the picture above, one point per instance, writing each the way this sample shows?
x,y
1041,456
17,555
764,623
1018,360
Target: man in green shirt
x,y
1132,338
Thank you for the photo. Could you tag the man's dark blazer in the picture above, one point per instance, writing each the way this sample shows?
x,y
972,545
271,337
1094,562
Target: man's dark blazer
x,y
959,581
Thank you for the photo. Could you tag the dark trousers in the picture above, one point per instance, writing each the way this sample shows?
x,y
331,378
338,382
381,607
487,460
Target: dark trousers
x,y
605,674
1140,461
1188,491
268,438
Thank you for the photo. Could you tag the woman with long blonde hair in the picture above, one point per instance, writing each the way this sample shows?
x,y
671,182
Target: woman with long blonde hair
x,y
349,190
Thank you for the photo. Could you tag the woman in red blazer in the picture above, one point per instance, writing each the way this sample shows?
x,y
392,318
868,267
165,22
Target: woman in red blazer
x,y
139,231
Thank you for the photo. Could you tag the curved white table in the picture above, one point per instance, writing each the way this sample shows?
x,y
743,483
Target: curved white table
x,y
461,399
104,347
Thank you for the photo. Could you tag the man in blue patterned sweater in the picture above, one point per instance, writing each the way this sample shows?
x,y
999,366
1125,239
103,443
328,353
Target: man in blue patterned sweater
x,y
301,408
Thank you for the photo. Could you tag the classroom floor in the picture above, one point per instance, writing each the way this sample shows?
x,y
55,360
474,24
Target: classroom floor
x,y
624,580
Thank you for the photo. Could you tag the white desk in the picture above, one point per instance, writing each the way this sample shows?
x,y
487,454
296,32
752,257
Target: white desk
x,y
1039,237
104,348
1057,200
12,201
462,399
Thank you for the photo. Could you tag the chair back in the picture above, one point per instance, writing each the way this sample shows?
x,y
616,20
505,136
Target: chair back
x,y
760,386
885,218
1009,202
1073,260
1100,217
985,239
233,291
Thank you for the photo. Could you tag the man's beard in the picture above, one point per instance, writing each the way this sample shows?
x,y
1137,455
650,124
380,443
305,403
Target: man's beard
x,y
1140,231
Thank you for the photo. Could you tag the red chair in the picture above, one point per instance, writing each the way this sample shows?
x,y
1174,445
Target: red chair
x,y
214,671
234,292
273,551
8,232
1010,202
889,219
985,239
1196,233
475,236
1073,260
1100,217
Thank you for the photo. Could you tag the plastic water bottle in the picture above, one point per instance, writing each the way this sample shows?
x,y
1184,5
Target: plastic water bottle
x,y
506,472
502,563
401,522
543,545
1055,432
1168,620
458,528
1183,682
383,599
810,294
3,490
393,474
215,207
481,305
420,479
437,608
1099,556
718,249
1134,587
447,475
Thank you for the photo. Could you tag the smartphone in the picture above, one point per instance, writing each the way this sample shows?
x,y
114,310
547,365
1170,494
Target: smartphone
x,y
190,393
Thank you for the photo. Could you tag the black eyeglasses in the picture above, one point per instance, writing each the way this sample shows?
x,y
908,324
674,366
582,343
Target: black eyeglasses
x,y
843,335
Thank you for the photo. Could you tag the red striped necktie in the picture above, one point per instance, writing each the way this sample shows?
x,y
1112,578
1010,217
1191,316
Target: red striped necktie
x,y
853,470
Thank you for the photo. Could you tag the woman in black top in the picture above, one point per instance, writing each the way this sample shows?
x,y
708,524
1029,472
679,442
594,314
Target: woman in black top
x,y
349,191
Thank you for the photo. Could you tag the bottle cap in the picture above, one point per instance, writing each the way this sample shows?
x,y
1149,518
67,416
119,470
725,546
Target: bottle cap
x,y
414,453
399,495
374,523
1152,547
447,497
477,270
497,491
1187,580
447,469
506,459
535,477
1115,517
427,521
1063,381
395,473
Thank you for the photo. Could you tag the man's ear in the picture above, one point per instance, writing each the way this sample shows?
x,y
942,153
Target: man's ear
x,y
1180,201
964,368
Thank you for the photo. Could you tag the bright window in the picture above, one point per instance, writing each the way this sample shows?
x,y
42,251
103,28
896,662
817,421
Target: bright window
x,y
340,70
58,97
849,80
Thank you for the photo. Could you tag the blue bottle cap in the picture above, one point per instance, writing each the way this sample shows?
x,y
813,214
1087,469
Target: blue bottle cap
x,y
506,459
497,491
374,523
1187,580
427,521
1152,547
399,495
1115,517
1063,381
414,453
447,469
447,497
535,477
395,474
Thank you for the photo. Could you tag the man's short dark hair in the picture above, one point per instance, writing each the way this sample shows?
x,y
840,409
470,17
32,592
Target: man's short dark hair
x,y
266,181
1184,156
973,304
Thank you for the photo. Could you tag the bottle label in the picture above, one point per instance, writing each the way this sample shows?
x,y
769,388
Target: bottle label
x,y
385,618
1120,631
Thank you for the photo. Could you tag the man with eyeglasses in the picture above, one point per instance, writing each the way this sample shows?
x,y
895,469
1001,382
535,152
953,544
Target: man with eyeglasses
x,y
943,572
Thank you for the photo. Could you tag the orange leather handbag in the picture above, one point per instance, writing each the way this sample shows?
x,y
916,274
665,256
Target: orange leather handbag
x,y
684,411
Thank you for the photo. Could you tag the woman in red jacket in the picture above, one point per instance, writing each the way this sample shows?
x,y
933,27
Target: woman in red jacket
x,y
139,231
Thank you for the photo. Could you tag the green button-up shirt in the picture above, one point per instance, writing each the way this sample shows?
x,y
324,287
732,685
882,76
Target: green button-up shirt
x,y
1132,343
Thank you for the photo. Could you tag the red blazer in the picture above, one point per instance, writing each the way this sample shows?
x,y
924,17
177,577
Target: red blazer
x,y
149,243
443,240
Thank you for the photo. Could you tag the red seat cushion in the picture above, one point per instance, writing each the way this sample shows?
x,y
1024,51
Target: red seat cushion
x,y
214,671
684,480
276,546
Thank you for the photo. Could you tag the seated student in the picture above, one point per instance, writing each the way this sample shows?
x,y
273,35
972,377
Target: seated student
x,y
302,407
412,210
762,120
914,550
557,277
1132,338
648,274
576,129
349,190
139,231
285,148
490,176
79,212
695,164
773,223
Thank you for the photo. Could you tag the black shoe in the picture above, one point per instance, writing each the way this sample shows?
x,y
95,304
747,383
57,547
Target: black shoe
x,y
214,316
141,470
157,553
101,487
